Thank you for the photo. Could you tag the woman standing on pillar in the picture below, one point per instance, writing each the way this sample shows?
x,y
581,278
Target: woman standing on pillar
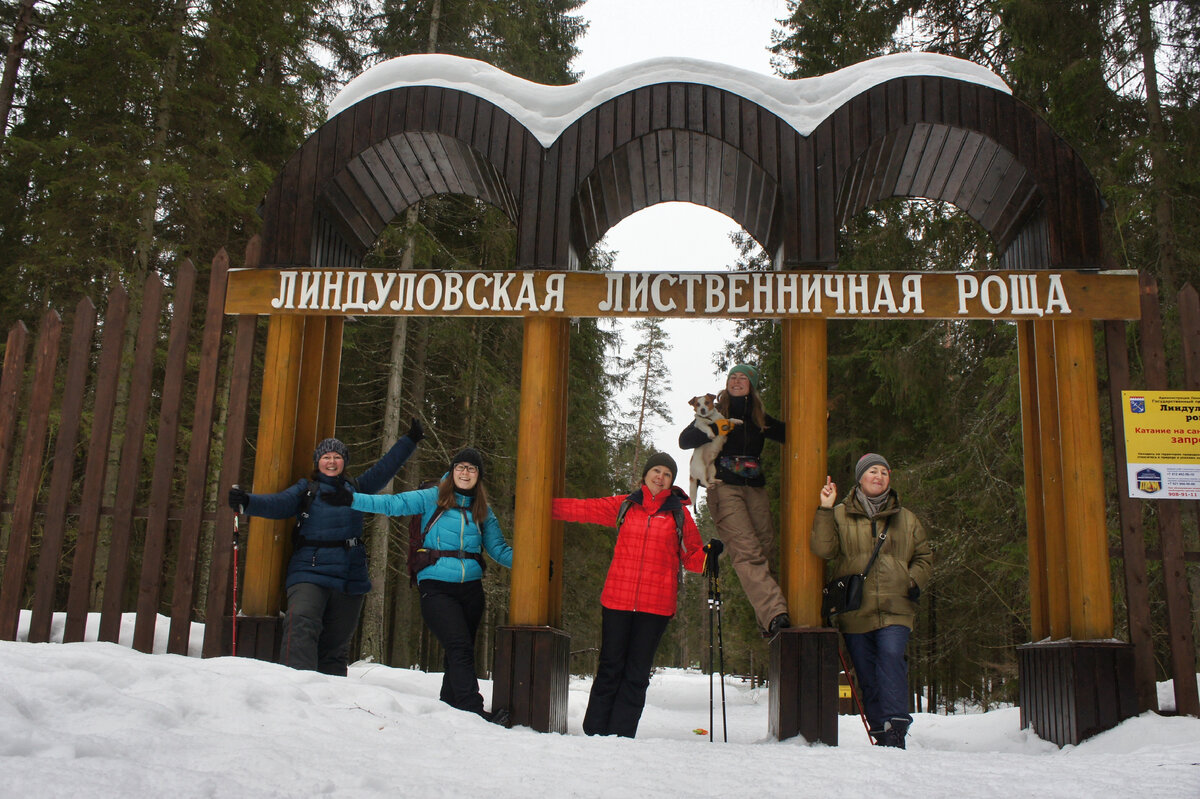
x,y
737,499
655,535
877,633
327,574
459,525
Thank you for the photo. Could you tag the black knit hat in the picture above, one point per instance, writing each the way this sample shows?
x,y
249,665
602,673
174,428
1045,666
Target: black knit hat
x,y
330,445
866,462
468,455
660,459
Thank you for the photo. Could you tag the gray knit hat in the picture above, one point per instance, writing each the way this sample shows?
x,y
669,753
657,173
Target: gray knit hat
x,y
660,459
330,445
866,462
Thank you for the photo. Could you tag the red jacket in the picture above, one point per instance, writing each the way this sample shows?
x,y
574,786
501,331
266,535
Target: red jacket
x,y
644,574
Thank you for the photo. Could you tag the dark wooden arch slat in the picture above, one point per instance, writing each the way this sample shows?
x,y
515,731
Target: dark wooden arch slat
x,y
95,471
129,467
20,535
83,330
916,136
163,471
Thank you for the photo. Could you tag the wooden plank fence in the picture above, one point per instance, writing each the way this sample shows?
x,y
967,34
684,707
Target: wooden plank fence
x,y
56,515
1178,599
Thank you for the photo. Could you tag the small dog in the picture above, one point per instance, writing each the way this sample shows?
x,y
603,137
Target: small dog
x,y
703,466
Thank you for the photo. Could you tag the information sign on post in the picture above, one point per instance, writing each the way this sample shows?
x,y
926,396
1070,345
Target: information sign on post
x,y
1162,443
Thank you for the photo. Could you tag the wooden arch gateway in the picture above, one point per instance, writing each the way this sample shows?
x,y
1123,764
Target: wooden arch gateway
x,y
789,161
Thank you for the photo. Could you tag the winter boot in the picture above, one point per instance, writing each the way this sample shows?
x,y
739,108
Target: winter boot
x,y
893,733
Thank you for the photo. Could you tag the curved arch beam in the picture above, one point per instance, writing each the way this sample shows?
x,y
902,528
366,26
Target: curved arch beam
x,y
790,161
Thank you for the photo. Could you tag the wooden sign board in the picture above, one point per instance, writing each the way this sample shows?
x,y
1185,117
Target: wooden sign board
x,y
827,294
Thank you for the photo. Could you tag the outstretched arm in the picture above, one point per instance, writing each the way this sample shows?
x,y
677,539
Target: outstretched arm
x,y
376,478
600,510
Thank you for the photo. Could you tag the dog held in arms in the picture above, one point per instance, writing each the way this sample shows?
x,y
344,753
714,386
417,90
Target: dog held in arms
x,y
716,426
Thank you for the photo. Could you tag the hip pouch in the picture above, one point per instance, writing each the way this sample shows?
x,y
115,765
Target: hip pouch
x,y
741,465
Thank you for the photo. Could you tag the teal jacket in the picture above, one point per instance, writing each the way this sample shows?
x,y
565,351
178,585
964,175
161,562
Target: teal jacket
x,y
454,530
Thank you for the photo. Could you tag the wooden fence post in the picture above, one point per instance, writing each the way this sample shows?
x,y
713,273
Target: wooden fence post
x,y
1170,527
29,478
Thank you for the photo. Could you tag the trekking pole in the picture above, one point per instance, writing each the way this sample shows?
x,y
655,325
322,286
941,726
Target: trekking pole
x,y
862,713
233,629
714,609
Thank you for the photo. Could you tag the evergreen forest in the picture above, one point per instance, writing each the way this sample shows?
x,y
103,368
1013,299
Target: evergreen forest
x,y
139,134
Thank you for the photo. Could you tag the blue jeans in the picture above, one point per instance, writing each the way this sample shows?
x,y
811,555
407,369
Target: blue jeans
x,y
882,671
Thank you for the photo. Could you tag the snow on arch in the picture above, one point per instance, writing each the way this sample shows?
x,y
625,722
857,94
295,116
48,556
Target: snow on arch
x,y
546,111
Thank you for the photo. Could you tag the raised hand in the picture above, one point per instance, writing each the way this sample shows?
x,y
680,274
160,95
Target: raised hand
x,y
828,493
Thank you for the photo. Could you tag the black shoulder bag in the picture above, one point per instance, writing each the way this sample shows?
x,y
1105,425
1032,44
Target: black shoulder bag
x,y
844,593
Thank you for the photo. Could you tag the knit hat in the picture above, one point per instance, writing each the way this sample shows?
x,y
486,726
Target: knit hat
x,y
866,462
468,455
660,459
330,445
748,370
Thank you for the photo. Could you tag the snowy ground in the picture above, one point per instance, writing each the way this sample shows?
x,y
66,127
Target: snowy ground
x,y
101,720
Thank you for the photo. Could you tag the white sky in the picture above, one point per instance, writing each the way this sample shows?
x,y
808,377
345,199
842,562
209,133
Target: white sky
x,y
679,236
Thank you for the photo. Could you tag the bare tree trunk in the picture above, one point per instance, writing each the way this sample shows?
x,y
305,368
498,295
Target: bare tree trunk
x,y
1159,179
374,627
12,64
637,438
134,282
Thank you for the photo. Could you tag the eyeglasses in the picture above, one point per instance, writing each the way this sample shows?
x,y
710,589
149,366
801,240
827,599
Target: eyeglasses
x,y
466,468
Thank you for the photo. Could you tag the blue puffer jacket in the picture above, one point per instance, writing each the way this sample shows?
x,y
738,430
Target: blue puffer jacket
x,y
454,529
340,568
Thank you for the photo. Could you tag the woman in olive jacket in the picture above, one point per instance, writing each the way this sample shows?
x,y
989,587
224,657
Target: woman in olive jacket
x,y
877,633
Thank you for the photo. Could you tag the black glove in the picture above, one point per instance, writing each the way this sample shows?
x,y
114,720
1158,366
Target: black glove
x,y
238,499
714,547
914,592
341,496
415,431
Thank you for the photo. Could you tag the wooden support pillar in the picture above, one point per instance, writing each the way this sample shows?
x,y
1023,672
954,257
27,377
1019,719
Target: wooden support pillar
x,y
1035,521
537,465
267,538
805,465
532,658
803,669
1081,683
1083,482
330,377
554,615
1053,526
308,398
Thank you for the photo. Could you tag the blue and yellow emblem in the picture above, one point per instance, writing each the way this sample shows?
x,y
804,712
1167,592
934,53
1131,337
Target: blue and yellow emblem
x,y
1149,481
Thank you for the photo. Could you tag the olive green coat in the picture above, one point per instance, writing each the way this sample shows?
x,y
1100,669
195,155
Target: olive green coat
x,y
842,535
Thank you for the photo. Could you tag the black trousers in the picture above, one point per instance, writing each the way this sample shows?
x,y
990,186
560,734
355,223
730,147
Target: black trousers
x,y
452,611
318,627
628,641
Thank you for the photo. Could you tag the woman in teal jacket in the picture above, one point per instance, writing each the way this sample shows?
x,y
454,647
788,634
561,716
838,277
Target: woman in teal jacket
x,y
458,526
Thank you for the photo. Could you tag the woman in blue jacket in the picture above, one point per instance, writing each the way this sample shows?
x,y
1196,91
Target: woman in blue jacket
x,y
327,574
458,527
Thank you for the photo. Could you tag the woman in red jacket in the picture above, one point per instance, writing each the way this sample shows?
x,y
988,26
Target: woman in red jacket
x,y
640,591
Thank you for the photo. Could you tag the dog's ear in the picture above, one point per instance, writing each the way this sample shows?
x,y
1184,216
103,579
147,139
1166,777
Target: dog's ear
x,y
711,397
694,401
